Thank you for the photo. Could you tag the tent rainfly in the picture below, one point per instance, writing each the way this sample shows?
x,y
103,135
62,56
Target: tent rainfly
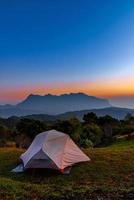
x,y
53,150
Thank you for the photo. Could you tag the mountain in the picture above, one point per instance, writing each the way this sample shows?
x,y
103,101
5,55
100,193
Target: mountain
x,y
43,117
53,104
118,113
15,111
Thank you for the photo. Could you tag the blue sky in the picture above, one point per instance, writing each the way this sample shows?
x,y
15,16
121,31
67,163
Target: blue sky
x,y
65,41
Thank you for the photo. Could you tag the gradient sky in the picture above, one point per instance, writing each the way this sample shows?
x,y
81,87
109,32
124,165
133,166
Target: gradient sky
x,y
67,46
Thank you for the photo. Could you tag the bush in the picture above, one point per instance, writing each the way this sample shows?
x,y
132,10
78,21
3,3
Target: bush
x,y
93,133
30,127
85,143
22,141
2,142
4,131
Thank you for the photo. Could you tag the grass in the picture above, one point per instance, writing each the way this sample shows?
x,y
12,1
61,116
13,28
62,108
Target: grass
x,y
109,175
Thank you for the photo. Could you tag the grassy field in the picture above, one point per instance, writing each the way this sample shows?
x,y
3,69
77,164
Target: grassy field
x,y
109,175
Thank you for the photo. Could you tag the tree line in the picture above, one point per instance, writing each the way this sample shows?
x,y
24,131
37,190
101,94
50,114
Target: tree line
x,y
92,131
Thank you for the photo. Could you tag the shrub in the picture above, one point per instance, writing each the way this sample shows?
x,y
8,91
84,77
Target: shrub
x,y
86,143
93,133
30,127
2,142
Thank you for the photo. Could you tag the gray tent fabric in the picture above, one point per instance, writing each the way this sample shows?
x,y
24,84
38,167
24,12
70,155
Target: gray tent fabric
x,y
53,150
18,169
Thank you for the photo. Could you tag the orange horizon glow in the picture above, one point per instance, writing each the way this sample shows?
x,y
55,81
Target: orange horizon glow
x,y
106,88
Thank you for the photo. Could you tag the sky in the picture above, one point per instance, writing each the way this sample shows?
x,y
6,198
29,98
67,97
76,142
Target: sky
x,y
67,46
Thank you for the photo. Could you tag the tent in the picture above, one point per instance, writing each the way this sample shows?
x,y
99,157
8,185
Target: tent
x,y
53,150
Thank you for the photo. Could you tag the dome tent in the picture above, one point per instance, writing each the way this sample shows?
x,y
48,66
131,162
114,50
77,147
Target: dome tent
x,y
53,150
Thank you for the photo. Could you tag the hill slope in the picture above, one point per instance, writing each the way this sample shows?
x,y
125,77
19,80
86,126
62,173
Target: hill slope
x,y
109,175
118,113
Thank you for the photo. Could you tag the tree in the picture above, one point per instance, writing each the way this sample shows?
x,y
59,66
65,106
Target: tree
x,y
4,135
4,131
22,141
90,118
129,119
93,133
107,124
86,143
30,127
70,126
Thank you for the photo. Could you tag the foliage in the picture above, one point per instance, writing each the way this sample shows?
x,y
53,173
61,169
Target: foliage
x,y
85,143
90,118
2,142
4,132
129,119
30,127
71,126
67,126
93,133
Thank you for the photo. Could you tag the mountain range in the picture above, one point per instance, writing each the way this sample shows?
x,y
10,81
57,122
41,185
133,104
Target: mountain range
x,y
118,113
53,104
52,107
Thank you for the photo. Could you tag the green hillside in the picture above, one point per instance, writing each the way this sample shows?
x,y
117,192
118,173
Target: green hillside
x,y
109,175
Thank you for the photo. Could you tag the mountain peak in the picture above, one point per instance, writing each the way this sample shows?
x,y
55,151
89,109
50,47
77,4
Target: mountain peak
x,y
56,104
60,95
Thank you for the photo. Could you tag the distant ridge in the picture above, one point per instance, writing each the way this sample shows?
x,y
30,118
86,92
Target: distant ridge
x,y
118,113
53,104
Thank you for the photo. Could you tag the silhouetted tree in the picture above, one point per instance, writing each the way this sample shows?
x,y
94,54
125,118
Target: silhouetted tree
x,y
90,118
129,119
30,127
70,126
107,124
4,132
93,133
